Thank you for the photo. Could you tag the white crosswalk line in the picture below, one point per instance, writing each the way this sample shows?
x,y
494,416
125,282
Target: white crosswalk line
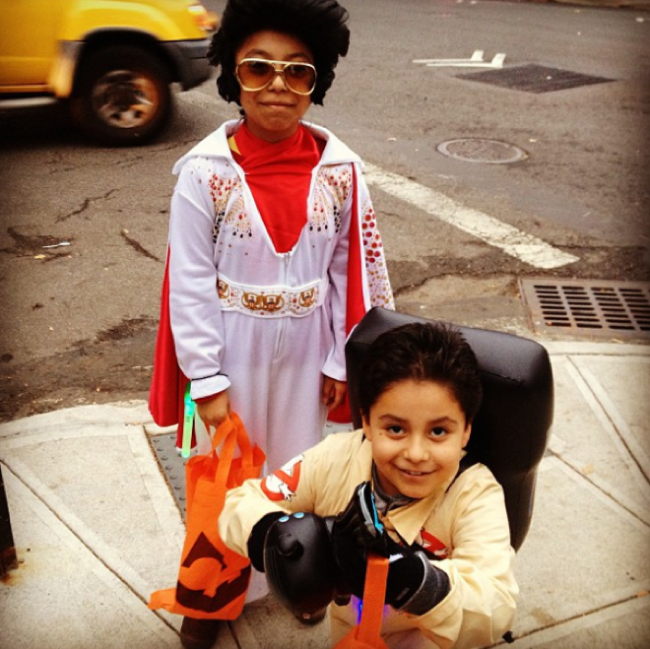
x,y
512,241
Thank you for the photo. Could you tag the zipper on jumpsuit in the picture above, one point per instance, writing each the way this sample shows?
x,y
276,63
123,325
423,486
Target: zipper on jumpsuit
x,y
286,260
282,322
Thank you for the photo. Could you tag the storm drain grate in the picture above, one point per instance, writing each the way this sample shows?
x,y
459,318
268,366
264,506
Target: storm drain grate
x,y
533,78
590,308
173,467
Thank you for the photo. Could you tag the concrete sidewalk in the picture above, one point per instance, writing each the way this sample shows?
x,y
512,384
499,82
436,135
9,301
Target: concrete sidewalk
x,y
97,529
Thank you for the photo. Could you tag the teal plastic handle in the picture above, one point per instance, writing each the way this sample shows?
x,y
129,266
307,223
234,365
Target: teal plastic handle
x,y
188,422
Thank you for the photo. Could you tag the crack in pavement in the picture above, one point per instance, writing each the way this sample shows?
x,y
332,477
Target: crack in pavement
x,y
84,206
138,247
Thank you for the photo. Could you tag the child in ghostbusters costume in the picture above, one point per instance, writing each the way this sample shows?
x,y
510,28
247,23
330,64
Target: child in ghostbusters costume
x,y
444,526
274,253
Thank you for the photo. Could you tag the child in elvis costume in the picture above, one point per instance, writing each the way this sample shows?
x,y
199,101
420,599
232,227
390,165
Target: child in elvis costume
x,y
445,527
274,252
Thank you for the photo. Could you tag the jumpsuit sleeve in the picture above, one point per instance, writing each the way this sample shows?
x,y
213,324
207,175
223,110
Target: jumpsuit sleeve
x,y
334,366
481,604
358,274
377,288
194,305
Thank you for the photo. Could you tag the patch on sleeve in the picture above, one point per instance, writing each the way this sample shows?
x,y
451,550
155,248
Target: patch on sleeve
x,y
433,546
282,484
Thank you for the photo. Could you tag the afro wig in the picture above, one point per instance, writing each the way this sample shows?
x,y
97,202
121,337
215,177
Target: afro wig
x,y
319,24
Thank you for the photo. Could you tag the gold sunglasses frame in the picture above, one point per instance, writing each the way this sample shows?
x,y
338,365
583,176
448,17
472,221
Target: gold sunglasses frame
x,y
280,72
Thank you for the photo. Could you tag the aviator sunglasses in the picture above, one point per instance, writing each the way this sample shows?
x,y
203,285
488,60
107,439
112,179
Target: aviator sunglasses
x,y
257,74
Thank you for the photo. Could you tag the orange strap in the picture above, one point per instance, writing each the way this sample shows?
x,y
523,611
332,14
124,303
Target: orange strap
x,y
374,592
367,635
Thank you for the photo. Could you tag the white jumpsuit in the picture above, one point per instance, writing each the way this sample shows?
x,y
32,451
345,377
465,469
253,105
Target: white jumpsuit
x,y
265,325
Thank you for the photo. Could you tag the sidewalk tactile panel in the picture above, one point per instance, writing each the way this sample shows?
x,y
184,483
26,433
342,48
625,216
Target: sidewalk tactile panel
x,y
173,467
533,78
588,307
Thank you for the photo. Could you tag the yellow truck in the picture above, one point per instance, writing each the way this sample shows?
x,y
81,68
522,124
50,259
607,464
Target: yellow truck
x,y
112,61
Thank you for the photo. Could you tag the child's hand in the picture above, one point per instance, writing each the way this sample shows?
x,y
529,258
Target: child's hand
x,y
333,393
213,412
360,521
357,531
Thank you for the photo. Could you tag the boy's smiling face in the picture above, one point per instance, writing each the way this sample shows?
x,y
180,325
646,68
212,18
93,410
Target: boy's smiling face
x,y
418,431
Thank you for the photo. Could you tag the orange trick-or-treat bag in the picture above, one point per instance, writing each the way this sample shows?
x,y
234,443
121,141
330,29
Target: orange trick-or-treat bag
x,y
212,580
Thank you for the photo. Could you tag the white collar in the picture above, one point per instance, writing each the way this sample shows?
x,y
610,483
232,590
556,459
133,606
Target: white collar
x,y
216,145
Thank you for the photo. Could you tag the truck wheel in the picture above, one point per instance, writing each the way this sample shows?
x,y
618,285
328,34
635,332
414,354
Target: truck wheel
x,y
122,96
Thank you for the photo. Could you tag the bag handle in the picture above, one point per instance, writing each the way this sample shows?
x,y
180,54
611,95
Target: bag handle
x,y
243,441
233,423
229,434
225,461
221,432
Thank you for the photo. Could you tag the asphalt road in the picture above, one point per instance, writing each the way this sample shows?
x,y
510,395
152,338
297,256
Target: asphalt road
x,y
79,318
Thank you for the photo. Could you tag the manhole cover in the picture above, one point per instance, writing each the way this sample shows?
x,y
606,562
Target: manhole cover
x,y
589,308
481,150
533,78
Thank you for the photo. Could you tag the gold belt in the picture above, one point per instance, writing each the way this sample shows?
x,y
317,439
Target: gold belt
x,y
271,301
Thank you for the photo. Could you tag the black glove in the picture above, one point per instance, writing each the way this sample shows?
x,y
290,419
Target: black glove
x,y
357,531
298,560
257,538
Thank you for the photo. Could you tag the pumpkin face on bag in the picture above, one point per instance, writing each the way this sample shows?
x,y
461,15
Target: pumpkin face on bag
x,y
192,590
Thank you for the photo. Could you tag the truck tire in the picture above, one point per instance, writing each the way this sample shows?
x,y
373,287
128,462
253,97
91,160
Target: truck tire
x,y
122,96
